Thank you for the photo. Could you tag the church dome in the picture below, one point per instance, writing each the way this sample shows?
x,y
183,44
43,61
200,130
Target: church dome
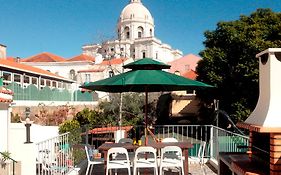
x,y
135,10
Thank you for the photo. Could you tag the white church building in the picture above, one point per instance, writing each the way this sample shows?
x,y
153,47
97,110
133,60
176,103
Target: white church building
x,y
135,38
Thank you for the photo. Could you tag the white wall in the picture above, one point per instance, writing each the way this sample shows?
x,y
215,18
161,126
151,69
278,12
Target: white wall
x,y
4,126
26,153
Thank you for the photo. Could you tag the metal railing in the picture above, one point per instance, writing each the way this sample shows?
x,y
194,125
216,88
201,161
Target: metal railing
x,y
4,164
32,93
54,156
217,139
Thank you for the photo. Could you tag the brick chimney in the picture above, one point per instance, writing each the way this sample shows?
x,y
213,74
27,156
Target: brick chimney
x,y
267,112
3,51
264,123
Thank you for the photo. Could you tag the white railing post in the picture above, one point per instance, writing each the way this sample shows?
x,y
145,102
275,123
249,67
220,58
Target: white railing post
x,y
211,141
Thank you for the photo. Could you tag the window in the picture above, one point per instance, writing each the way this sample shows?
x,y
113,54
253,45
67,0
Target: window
x,y
187,67
34,80
59,84
111,73
156,55
140,32
87,77
72,74
42,82
54,84
150,32
7,76
17,78
127,32
48,83
143,55
26,79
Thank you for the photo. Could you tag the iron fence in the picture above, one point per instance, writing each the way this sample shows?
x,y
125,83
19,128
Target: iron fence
x,y
217,139
54,156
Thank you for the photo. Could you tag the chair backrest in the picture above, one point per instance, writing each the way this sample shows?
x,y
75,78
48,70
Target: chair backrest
x,y
125,140
201,151
115,151
173,152
169,139
89,153
145,151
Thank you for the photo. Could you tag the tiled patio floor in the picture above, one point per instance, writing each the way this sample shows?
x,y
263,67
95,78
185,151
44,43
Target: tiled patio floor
x,y
194,169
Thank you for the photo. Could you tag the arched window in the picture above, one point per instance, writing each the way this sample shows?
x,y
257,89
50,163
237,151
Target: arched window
x,y
72,74
150,32
143,54
140,32
127,32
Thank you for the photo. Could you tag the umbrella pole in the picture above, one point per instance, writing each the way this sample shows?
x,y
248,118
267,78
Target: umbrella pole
x,y
120,111
145,131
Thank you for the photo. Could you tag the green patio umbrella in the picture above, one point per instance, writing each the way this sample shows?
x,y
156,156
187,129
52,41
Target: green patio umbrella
x,y
146,75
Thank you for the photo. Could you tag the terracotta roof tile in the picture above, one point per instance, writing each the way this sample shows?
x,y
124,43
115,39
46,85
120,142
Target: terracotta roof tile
x,y
109,129
82,57
91,70
3,100
6,91
26,68
44,57
190,74
114,61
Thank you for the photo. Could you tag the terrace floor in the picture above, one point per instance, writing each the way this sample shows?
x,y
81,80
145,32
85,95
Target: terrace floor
x,y
194,169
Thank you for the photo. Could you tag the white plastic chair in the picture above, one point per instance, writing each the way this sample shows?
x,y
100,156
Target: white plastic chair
x,y
200,156
171,157
91,160
169,139
145,157
116,160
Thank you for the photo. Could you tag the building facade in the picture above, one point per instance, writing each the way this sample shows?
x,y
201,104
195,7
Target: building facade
x,y
135,38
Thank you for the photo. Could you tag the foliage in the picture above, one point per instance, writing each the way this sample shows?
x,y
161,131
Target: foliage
x,y
229,60
73,127
51,117
5,155
15,118
79,155
107,112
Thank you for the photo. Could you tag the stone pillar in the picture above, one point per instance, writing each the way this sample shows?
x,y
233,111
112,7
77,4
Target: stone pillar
x,y
275,153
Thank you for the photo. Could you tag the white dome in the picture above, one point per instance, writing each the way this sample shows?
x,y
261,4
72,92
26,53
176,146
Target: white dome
x,y
136,11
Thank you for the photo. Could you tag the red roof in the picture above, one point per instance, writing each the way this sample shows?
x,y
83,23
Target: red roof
x,y
114,61
82,57
26,68
190,74
109,129
44,57
3,100
91,70
6,91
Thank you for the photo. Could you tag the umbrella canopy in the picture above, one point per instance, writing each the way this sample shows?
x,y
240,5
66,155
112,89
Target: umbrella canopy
x,y
146,76
144,81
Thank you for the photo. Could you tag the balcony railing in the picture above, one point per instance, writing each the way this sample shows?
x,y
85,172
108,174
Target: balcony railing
x,y
217,139
32,93
54,156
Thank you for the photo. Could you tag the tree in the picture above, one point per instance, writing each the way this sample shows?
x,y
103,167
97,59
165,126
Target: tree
x,y
229,61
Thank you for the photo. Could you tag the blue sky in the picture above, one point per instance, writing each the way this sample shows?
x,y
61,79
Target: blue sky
x,y
28,27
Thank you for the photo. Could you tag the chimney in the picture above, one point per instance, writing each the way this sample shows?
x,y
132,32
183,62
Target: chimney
x,y
3,51
268,110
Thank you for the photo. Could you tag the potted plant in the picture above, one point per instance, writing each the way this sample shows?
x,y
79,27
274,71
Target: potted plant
x,y
5,156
